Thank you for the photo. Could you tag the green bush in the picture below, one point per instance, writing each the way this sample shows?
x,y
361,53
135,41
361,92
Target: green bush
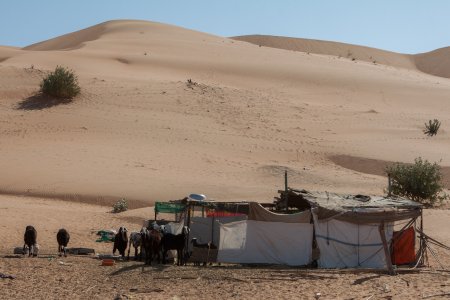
x,y
432,127
420,181
62,83
120,206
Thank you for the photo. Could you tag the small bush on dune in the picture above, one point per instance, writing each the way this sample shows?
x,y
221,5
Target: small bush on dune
x,y
61,83
432,127
120,206
420,182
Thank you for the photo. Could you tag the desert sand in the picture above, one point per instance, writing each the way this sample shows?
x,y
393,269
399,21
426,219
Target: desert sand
x,y
140,131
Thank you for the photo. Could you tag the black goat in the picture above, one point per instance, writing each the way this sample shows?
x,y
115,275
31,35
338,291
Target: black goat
x,y
121,241
209,246
203,246
175,242
30,240
63,238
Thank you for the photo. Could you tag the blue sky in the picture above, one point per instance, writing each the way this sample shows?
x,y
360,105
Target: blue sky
x,y
396,25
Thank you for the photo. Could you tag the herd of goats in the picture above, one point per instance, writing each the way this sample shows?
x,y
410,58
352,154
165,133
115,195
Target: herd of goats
x,y
153,242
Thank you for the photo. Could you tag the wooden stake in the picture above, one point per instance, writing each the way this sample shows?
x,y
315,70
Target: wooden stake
x,y
286,190
386,249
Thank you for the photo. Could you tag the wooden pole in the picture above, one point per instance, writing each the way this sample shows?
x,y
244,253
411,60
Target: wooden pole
x,y
286,190
387,254
422,239
212,231
389,185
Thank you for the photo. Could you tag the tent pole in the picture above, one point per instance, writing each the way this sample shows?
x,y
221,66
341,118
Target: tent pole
x,y
386,249
425,257
389,185
212,230
286,190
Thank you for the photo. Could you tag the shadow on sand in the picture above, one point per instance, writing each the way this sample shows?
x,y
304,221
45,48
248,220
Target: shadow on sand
x,y
41,101
144,268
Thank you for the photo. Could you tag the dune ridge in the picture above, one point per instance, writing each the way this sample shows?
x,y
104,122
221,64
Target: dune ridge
x,y
435,62
70,41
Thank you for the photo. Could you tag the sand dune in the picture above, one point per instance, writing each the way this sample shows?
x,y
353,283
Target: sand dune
x,y
341,50
139,130
434,62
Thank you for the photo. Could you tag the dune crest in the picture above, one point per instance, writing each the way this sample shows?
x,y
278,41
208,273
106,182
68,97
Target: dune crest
x,y
436,62
70,41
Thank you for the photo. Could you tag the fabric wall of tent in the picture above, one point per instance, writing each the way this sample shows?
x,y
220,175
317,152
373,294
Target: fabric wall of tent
x,y
207,229
267,238
346,245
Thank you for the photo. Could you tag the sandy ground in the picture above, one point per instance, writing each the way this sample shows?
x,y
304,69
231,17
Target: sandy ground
x,y
141,131
75,277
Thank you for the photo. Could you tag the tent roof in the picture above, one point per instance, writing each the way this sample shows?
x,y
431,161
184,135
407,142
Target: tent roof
x,y
355,208
343,202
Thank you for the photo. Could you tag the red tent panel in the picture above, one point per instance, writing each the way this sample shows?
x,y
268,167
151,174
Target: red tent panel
x,y
403,247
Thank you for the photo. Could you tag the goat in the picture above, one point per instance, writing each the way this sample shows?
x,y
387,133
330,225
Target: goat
x,y
209,245
136,241
30,238
121,241
175,242
151,242
63,238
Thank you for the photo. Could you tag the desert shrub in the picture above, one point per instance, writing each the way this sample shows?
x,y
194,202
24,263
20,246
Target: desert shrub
x,y
420,181
432,127
120,206
61,83
191,83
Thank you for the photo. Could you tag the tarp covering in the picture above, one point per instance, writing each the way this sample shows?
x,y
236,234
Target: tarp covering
x,y
259,213
167,207
207,230
266,243
174,227
347,245
358,209
367,215
403,247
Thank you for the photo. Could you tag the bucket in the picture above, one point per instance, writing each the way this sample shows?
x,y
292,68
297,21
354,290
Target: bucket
x,y
108,262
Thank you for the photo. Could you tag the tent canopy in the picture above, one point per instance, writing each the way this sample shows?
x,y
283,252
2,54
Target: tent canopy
x,y
358,209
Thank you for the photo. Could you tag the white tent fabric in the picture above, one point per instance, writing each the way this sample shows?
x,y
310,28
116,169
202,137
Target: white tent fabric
x,y
266,242
207,230
174,227
347,245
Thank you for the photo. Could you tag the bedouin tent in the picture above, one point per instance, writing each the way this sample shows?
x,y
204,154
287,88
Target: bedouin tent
x,y
354,230
332,230
267,238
